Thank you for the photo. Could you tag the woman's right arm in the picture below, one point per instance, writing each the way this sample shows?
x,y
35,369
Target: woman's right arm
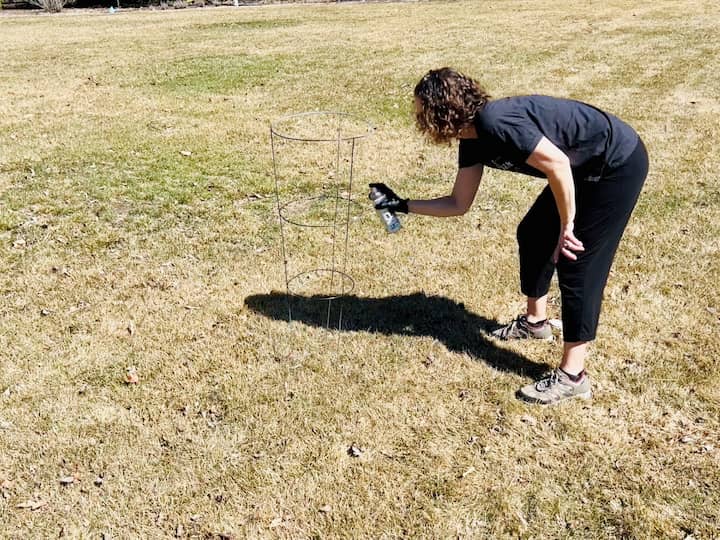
x,y
458,202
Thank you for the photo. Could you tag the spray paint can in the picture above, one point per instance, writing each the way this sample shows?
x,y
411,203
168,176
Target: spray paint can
x,y
389,219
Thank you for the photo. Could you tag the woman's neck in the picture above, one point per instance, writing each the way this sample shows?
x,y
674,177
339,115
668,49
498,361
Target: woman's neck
x,y
468,132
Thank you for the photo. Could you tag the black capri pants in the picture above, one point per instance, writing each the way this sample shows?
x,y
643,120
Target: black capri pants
x,y
603,208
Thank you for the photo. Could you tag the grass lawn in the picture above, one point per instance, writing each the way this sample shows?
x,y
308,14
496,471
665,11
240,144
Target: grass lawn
x,y
138,229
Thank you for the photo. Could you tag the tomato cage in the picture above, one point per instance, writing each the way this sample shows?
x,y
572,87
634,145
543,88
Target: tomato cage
x,y
314,159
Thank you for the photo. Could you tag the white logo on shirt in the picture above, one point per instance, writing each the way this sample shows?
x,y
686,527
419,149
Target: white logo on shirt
x,y
498,163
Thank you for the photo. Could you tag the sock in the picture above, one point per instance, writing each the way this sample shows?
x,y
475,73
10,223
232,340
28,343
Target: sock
x,y
574,378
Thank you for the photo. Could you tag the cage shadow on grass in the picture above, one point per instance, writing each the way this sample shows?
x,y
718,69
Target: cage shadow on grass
x,y
417,314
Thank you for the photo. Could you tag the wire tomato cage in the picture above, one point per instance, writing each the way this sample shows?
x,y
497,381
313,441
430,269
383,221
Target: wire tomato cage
x,y
314,157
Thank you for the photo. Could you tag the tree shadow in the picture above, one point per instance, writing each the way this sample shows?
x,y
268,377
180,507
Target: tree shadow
x,y
417,314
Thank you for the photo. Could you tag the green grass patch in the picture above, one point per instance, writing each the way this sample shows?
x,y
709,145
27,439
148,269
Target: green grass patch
x,y
258,24
220,74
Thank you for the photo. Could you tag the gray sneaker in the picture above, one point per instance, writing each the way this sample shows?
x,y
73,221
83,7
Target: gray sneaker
x,y
554,388
521,328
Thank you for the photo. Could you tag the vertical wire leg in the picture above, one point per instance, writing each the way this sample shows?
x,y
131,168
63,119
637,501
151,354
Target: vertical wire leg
x,y
347,225
335,217
280,220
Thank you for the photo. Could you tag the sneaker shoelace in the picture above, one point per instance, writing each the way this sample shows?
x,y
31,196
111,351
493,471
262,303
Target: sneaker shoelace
x,y
518,324
544,384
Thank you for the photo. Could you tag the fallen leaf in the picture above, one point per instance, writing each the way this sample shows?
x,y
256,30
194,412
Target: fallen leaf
x,y
186,153
131,328
276,522
99,481
325,509
67,480
44,312
179,531
686,439
528,419
131,377
354,451
522,519
470,470
31,505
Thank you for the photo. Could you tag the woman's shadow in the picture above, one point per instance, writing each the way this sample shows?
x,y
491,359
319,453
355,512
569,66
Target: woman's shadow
x,y
415,314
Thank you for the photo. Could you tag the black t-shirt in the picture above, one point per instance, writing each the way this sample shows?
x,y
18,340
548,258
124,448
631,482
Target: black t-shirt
x,y
509,129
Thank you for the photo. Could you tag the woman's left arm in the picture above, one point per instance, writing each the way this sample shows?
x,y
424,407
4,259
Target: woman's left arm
x,y
552,161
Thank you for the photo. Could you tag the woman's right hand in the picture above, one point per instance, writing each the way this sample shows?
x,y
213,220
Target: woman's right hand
x,y
392,201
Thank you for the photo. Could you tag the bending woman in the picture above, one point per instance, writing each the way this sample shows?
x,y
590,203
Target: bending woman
x,y
595,166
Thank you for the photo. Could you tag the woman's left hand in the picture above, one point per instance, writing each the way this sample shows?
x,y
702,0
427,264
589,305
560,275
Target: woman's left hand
x,y
567,244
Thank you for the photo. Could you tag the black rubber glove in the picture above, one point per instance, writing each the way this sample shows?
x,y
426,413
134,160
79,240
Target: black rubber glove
x,y
392,201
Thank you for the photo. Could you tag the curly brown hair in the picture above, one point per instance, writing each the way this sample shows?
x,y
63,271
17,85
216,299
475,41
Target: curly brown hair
x,y
447,102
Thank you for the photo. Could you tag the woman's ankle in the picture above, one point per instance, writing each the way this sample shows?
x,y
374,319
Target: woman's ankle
x,y
536,309
535,318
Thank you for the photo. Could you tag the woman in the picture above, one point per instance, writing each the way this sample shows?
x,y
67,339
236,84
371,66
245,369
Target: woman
x,y
595,166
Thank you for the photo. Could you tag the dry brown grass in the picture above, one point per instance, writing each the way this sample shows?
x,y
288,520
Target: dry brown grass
x,y
118,251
